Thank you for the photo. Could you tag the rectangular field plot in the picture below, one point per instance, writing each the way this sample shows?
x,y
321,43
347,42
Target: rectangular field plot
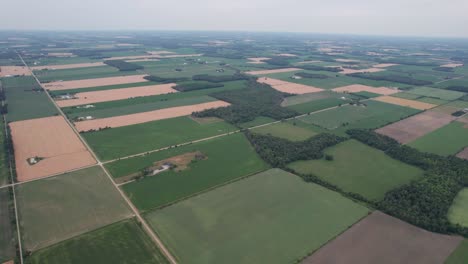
x,y
264,72
122,242
26,99
7,228
460,255
356,88
80,73
4,167
225,159
58,208
444,141
436,93
288,217
47,146
458,213
288,87
285,130
351,170
123,141
67,66
405,102
145,117
373,114
380,238
416,126
86,83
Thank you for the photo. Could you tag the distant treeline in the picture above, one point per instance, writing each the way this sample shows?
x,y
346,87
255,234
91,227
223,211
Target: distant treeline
x,y
391,78
192,86
406,61
247,104
123,65
458,88
154,78
443,69
320,68
424,203
220,78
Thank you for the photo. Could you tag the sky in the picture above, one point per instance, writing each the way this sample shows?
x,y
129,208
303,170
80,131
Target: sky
x,y
432,18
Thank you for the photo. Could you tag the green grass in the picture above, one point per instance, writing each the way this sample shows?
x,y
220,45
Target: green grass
x,y
134,103
458,212
4,167
100,88
286,130
166,68
436,93
138,108
23,103
260,120
314,106
58,208
7,229
460,255
360,169
81,73
122,242
366,94
444,141
271,217
124,141
311,97
375,114
228,158
431,100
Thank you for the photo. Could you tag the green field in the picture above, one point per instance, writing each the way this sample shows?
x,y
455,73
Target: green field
x,y
458,213
166,68
122,242
436,93
260,120
448,140
287,217
100,88
286,130
374,114
81,73
4,167
432,100
406,95
23,103
124,141
58,208
119,107
460,255
7,229
228,158
360,169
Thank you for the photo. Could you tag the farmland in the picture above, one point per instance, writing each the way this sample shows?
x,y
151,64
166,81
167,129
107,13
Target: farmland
x,y
220,166
79,73
458,213
4,168
448,140
7,228
286,130
351,170
49,208
460,255
275,202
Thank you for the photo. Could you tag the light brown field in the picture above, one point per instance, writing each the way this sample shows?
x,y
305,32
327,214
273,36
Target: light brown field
x,y
452,65
445,109
286,55
288,87
56,86
155,56
14,70
355,88
133,119
258,60
308,62
117,94
384,65
68,66
272,71
404,102
463,154
52,139
346,60
380,238
351,71
416,126
159,52
139,60
60,54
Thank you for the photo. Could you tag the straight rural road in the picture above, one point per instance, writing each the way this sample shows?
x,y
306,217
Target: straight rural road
x,y
143,222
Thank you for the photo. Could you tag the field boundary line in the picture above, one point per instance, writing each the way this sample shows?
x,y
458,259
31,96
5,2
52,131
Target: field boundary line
x,y
145,225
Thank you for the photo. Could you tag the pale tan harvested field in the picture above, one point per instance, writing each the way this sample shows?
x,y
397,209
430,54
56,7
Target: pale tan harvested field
x,y
355,88
133,119
156,56
52,139
384,65
159,52
404,102
370,70
346,60
288,87
272,71
463,154
308,62
260,60
14,70
60,54
287,55
380,238
117,94
68,66
56,86
445,109
416,126
139,60
452,65
371,53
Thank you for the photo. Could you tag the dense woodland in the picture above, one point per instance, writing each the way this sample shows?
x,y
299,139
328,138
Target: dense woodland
x,y
391,78
458,88
247,104
424,203
154,78
220,78
320,68
123,65
192,86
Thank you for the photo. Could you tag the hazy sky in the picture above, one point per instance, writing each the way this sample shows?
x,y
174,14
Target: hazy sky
x,y
376,17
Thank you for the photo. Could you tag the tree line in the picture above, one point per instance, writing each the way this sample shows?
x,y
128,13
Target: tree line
x,y
391,78
123,65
